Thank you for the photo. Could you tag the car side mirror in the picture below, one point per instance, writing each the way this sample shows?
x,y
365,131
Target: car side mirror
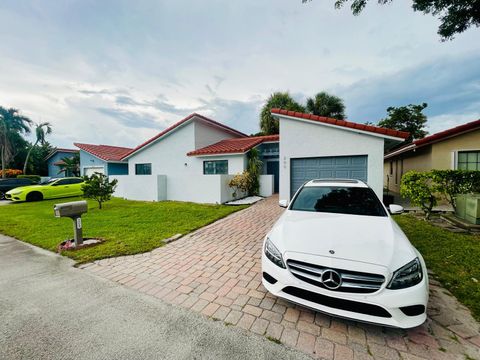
x,y
395,209
283,203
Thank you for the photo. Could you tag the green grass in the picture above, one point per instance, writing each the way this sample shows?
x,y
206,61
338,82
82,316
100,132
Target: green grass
x,y
128,227
454,258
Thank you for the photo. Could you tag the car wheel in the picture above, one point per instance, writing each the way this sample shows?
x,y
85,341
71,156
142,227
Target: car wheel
x,y
35,196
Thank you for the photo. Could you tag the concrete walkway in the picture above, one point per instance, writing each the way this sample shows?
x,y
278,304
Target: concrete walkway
x,y
50,310
215,271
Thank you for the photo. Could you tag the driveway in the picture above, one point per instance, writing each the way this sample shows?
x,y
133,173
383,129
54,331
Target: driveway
x,y
51,310
215,271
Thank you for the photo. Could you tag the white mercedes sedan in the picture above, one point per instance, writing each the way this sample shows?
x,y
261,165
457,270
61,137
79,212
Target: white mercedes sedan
x,y
337,250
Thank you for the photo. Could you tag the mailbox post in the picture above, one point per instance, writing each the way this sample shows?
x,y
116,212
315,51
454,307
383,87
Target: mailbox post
x,y
74,211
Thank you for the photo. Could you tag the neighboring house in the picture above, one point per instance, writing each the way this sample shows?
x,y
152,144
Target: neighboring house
x,y
314,147
455,148
194,159
54,161
104,159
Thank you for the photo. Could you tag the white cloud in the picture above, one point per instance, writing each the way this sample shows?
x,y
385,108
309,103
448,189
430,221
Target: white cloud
x,y
118,72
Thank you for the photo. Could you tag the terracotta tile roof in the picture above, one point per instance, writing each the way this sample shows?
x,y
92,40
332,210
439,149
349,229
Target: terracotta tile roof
x,y
473,125
174,126
54,151
440,136
105,152
343,123
232,146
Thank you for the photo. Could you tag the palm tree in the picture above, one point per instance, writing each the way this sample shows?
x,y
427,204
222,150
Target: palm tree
x,y
324,104
12,124
71,165
41,131
279,100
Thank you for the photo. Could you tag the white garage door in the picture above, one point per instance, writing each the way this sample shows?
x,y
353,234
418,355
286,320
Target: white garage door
x,y
333,167
89,171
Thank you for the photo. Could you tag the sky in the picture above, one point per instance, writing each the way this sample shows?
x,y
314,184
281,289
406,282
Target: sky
x,y
118,72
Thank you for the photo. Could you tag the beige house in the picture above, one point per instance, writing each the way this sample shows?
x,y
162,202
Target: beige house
x,y
455,148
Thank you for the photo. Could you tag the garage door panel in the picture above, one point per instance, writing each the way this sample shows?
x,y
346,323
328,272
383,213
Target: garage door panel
x,y
333,167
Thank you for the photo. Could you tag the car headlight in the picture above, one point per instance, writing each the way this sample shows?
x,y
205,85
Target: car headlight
x,y
408,275
273,254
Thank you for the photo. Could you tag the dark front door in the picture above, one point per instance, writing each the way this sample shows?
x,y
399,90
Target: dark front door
x,y
273,169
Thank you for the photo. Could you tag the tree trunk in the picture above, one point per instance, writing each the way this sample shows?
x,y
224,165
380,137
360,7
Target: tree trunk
x,y
28,157
4,173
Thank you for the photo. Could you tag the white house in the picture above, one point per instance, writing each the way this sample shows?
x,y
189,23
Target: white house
x,y
194,159
314,147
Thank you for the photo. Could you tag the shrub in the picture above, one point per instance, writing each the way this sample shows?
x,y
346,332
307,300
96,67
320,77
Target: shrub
x,y
98,188
11,173
254,168
450,183
34,178
420,189
241,182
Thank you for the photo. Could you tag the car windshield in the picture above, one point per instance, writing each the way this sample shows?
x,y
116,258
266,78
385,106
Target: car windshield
x,y
338,200
48,182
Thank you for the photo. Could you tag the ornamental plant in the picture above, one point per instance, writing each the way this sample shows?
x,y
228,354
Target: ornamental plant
x,y
11,173
450,183
241,183
420,189
97,187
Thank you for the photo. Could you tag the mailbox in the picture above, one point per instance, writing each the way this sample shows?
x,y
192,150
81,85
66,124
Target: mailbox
x,y
70,209
73,210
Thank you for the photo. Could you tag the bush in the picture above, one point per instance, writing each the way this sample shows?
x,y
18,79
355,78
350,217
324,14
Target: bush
x,y
254,168
11,173
420,189
450,183
98,188
34,178
241,182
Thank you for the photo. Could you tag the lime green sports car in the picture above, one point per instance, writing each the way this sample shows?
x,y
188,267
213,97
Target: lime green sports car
x,y
52,189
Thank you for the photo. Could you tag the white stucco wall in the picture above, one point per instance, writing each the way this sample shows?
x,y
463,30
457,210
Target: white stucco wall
x,y
145,188
266,185
300,139
184,179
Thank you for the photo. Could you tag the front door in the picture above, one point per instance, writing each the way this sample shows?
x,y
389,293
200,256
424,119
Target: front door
x,y
273,169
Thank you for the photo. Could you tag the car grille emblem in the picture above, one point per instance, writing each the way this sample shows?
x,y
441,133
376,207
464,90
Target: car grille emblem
x,y
331,279
331,252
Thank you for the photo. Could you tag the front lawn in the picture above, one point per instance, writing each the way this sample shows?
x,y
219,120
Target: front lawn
x,y
454,258
128,227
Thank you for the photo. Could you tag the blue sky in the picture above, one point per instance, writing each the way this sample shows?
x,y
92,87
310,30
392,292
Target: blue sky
x,y
117,72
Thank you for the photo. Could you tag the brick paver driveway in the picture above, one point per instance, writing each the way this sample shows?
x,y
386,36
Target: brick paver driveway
x,y
216,271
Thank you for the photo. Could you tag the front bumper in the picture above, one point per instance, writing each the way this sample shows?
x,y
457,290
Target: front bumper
x,y
382,307
17,197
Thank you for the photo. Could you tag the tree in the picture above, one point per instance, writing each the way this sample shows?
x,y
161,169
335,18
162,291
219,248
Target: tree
x,y
406,118
98,188
70,165
12,126
420,189
254,168
324,104
280,100
41,131
455,16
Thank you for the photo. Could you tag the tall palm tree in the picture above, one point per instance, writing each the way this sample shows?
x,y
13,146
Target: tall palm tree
x,y
41,131
12,124
324,104
281,100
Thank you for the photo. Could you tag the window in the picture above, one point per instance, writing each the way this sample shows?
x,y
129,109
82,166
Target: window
x,y
75,181
62,182
143,169
468,160
215,167
338,200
